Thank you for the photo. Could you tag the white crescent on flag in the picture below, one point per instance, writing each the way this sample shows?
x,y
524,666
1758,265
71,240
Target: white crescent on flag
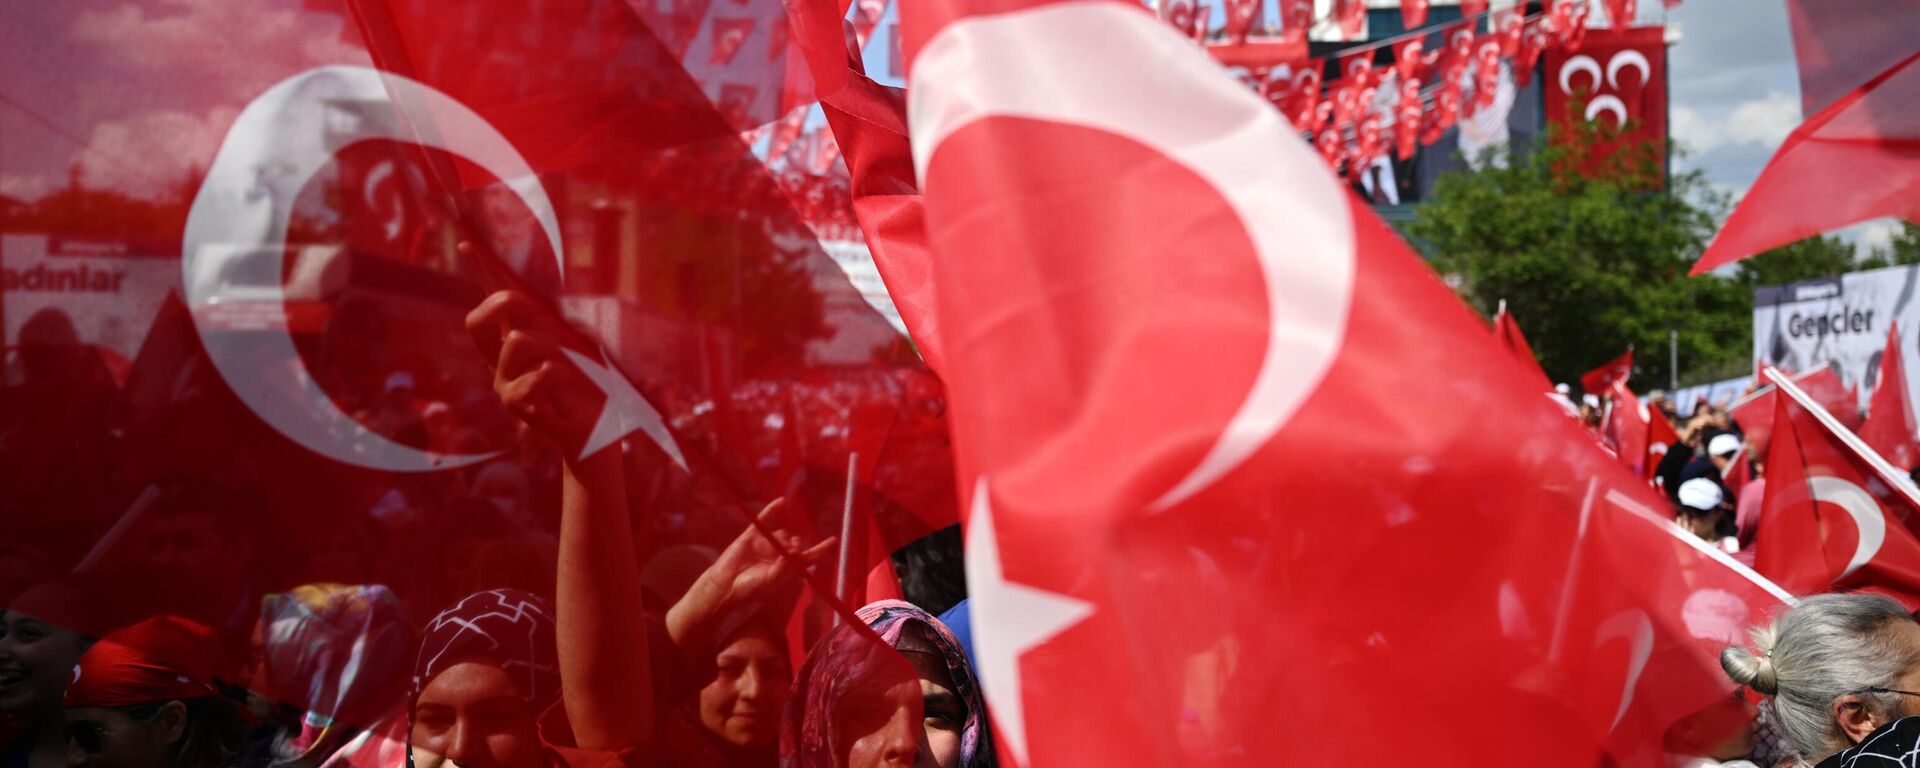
x,y
1224,133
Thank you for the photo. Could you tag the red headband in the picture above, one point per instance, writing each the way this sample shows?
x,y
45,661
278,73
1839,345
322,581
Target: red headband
x,y
162,658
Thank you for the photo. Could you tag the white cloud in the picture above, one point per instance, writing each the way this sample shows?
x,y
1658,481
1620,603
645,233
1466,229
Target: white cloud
x,y
1763,122
150,152
232,48
27,186
1869,235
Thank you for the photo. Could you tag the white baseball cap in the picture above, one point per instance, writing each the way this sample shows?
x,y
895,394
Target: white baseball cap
x,y
1700,493
1723,444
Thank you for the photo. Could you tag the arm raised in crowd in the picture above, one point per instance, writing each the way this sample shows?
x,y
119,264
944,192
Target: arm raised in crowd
x,y
752,574
606,683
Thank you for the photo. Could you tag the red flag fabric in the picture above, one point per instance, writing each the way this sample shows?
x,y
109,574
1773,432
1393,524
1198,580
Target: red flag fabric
x,y
1738,472
1889,426
869,123
1841,44
1660,439
1507,331
1104,505
1805,188
288,237
1620,13
1601,379
1824,385
1833,512
1628,427
1413,13
1351,15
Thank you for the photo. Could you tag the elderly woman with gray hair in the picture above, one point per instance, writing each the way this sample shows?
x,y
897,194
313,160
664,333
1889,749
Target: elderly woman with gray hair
x,y
1843,672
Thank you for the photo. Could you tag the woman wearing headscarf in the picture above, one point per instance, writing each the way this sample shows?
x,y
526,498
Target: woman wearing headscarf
x,y
145,697
855,702
487,693
340,654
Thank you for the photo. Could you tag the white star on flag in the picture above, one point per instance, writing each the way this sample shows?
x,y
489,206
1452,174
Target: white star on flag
x,y
625,411
1009,619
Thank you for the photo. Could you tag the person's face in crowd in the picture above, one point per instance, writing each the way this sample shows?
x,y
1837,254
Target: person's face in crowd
x,y
124,737
188,552
1701,524
888,736
471,715
504,487
744,702
1720,462
1855,717
1906,637
36,658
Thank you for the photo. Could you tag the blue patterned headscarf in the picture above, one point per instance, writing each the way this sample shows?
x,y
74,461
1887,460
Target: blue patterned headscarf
x,y
848,661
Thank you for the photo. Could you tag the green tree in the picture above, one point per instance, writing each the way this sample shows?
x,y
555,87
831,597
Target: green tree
x,y
1590,247
1904,250
1817,256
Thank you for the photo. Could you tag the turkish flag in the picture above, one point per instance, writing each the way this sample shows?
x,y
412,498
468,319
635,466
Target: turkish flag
x,y
1134,530
1889,426
1602,378
1754,411
1800,193
300,226
1834,508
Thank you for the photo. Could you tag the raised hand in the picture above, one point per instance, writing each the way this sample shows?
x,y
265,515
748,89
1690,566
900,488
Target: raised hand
x,y
522,341
757,569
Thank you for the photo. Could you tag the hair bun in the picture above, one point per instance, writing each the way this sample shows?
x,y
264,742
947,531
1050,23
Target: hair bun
x,y
1750,669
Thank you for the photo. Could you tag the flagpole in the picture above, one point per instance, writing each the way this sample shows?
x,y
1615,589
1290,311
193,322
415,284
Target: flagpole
x,y
1673,360
846,531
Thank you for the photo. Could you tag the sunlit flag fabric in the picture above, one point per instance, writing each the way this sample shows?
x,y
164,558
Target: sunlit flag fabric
x,y
1889,427
282,212
1229,566
1833,508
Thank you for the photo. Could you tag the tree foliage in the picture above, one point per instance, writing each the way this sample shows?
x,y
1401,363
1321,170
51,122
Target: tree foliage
x,y
1589,261
1590,246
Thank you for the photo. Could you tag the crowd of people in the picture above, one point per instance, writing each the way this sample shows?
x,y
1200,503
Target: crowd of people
x,y
553,639
551,635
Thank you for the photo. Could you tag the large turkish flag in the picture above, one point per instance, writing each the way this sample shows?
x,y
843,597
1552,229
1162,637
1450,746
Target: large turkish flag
x,y
282,212
1224,442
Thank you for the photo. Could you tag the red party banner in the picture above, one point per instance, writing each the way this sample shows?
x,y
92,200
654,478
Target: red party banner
x,y
1618,78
